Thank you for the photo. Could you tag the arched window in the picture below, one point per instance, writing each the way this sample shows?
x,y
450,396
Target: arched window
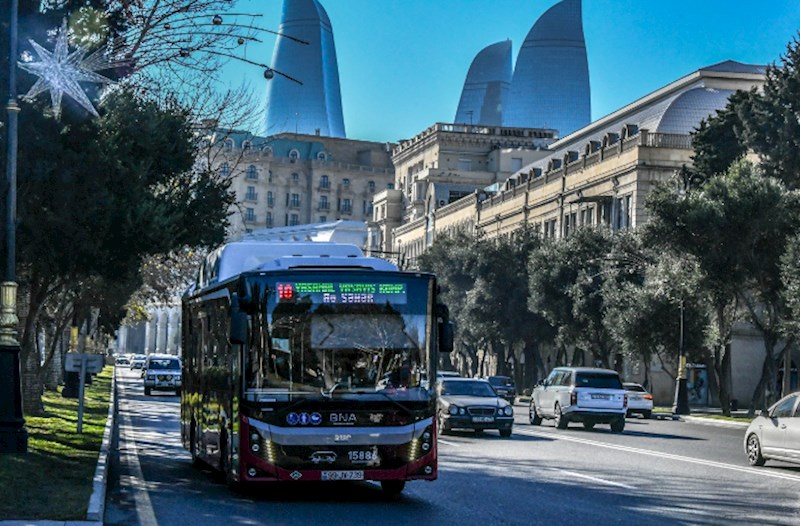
x,y
246,146
228,144
294,154
224,170
324,182
251,172
322,156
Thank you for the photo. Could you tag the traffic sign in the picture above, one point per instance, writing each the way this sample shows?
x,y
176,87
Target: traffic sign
x,y
94,362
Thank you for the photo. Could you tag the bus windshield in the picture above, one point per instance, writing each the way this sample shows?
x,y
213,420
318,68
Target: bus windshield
x,y
359,338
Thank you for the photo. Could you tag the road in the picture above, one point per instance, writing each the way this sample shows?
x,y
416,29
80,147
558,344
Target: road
x,y
657,472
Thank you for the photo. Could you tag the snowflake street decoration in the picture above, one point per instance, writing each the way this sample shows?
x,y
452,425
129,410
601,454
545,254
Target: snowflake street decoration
x,y
59,72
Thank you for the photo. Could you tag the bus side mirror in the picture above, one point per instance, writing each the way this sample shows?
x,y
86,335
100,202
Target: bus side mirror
x,y
238,335
446,337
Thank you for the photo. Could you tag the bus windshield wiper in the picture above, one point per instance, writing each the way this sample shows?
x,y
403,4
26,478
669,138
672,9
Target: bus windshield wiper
x,y
329,393
395,402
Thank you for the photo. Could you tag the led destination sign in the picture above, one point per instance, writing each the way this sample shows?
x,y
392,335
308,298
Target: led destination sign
x,y
344,292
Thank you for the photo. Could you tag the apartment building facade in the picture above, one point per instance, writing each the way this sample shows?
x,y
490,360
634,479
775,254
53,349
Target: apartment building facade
x,y
288,180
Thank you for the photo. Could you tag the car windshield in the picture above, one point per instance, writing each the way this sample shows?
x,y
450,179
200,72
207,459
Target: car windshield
x,y
599,380
500,381
160,364
467,388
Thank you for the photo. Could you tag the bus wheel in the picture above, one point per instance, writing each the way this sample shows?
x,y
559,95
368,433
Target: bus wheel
x,y
393,488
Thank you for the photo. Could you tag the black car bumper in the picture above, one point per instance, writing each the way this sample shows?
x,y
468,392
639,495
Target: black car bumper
x,y
472,422
597,417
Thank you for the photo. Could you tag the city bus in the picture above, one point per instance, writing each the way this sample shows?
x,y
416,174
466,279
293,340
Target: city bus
x,y
311,362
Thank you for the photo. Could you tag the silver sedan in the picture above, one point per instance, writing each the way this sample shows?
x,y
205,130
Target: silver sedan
x,y
775,434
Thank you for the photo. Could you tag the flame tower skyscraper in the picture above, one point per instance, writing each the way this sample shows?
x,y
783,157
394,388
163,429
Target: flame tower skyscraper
x,y
550,86
315,107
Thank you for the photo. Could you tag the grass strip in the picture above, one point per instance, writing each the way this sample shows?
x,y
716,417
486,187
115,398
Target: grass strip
x,y
54,479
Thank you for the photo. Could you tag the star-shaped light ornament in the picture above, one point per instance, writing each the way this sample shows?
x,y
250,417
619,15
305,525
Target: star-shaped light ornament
x,y
59,72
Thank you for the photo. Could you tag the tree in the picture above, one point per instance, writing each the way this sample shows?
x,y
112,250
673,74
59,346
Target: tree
x,y
736,228
566,288
453,258
95,197
770,124
644,316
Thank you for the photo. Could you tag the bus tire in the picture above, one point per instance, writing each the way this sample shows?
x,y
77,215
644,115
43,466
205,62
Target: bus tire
x,y
393,488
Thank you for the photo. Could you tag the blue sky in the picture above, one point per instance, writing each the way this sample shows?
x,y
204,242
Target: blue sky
x,y
402,63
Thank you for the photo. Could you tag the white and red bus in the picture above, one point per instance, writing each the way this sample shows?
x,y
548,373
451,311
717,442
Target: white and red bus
x,y
317,365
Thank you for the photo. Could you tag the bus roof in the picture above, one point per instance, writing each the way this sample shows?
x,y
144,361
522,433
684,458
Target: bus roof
x,y
236,257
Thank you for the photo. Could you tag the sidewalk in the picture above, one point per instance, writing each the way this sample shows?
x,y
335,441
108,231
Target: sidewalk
x,y
704,415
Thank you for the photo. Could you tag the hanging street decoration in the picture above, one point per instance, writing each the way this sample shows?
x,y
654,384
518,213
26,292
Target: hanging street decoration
x,y
59,72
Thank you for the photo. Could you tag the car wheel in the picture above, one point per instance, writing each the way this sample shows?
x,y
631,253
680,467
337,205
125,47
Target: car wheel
x,y
618,425
560,420
147,391
533,416
588,425
647,415
442,424
754,456
505,433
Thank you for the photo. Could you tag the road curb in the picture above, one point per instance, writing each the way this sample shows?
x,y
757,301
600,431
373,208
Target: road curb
x,y
714,422
97,501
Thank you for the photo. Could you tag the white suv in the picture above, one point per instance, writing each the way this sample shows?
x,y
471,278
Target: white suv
x,y
580,394
162,372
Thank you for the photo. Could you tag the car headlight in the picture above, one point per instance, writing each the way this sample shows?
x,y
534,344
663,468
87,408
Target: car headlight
x,y
508,410
453,410
462,411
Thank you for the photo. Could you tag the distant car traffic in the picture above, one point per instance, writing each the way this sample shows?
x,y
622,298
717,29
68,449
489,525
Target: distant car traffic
x,y
504,385
122,360
162,372
447,374
580,394
471,403
137,361
639,400
775,433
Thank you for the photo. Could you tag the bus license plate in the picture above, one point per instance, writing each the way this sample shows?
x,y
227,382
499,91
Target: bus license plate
x,y
342,475
483,419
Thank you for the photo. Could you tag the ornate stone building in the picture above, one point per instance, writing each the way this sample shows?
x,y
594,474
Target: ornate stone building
x,y
293,179
440,166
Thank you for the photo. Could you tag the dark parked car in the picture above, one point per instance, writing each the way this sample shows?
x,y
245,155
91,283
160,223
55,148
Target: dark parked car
x,y
472,403
504,385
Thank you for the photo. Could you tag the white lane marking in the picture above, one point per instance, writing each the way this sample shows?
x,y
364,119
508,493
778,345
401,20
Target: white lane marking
x,y
680,458
595,479
144,508
449,443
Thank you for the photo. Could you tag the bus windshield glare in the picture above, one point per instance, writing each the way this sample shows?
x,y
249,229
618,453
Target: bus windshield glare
x,y
360,338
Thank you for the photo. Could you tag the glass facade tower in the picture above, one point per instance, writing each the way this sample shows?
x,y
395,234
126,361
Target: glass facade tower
x,y
486,87
315,107
550,86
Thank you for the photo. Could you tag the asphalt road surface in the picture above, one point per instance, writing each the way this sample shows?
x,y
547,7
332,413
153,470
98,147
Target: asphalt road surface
x,y
657,472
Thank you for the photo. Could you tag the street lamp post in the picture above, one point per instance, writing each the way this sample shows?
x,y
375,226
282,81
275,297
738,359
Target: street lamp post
x,y
13,435
681,403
